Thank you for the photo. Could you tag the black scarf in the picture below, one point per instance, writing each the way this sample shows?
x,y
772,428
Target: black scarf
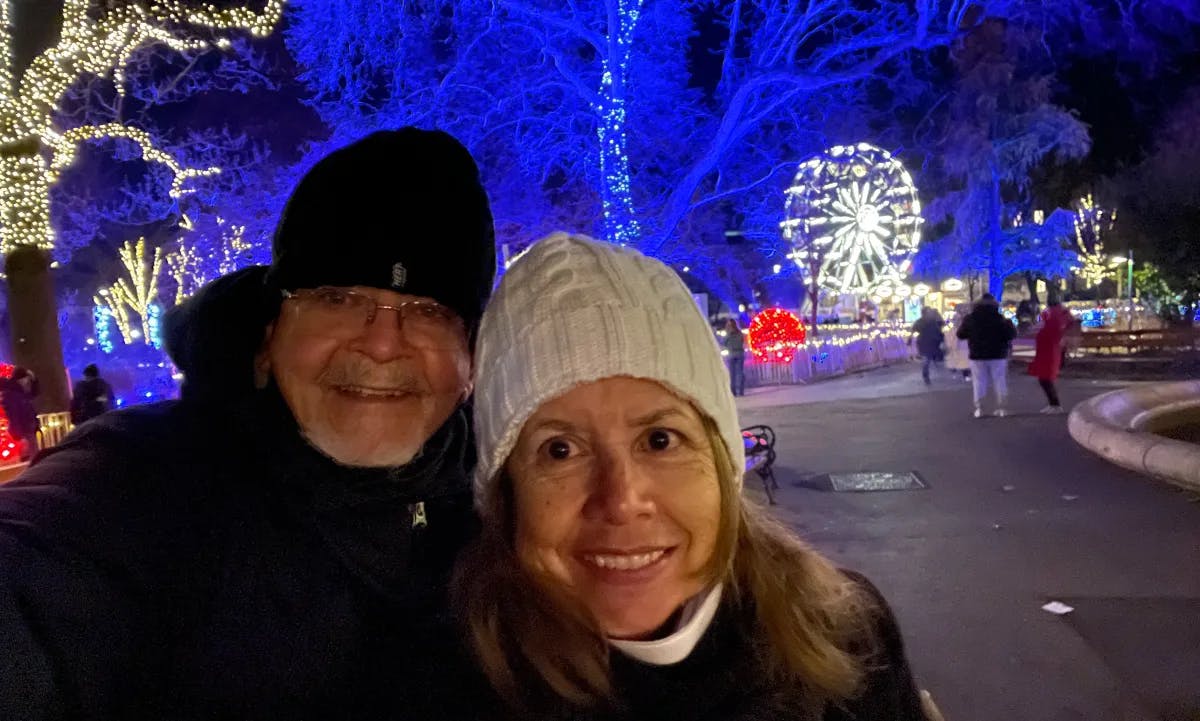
x,y
370,517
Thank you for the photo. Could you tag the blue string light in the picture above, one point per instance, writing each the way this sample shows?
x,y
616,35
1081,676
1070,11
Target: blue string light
x,y
102,317
620,223
154,324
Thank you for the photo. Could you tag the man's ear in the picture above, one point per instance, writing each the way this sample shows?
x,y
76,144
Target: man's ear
x,y
262,359
469,385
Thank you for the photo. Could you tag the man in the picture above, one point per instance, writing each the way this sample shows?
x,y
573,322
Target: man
x,y
91,396
989,337
276,544
928,333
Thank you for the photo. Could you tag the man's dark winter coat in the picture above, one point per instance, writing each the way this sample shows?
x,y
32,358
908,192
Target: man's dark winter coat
x,y
90,398
989,334
197,559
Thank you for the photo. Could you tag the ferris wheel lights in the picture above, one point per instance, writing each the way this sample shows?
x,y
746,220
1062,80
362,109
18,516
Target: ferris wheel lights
x,y
865,197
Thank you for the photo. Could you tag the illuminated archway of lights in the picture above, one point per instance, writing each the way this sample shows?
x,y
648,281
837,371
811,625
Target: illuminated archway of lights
x,y
853,209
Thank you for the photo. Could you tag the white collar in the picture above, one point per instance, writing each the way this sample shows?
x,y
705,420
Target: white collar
x,y
695,619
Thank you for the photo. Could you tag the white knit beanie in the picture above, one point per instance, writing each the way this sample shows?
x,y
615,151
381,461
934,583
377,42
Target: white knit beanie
x,y
573,310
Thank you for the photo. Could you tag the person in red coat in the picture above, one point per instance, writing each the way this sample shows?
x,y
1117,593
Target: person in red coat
x,y
1047,359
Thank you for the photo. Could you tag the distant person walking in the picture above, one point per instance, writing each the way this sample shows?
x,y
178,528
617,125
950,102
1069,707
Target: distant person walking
x,y
735,347
91,396
989,337
1047,359
928,332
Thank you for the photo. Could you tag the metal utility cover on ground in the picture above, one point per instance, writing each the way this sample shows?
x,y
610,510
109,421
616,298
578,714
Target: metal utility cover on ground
x,y
876,481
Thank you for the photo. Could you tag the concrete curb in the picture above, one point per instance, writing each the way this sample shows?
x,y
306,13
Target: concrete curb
x,y
1117,426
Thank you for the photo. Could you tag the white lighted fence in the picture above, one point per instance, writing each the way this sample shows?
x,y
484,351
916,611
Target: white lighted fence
x,y
833,353
53,428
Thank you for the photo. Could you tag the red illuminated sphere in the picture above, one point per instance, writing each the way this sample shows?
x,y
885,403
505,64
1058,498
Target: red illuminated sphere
x,y
775,334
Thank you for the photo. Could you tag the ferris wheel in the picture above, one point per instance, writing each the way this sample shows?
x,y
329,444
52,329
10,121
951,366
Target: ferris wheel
x,y
853,214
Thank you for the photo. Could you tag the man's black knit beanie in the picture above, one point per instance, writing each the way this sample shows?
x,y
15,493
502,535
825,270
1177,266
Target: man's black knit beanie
x,y
401,210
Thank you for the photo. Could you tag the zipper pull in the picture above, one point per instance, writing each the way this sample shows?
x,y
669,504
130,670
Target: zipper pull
x,y
418,515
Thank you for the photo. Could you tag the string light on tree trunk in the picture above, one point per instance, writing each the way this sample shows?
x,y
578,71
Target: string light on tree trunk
x,y
102,317
135,294
620,221
1092,223
99,43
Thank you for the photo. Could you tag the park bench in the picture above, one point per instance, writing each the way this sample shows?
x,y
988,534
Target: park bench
x,y
759,443
1134,341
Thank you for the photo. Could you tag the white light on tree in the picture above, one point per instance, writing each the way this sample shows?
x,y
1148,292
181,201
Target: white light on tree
x,y
1092,223
136,293
92,41
853,217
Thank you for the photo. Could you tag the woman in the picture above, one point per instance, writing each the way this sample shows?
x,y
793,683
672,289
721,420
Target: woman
x,y
958,355
928,332
1048,353
619,573
17,393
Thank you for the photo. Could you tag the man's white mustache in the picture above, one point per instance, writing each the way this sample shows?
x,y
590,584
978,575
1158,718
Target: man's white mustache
x,y
367,374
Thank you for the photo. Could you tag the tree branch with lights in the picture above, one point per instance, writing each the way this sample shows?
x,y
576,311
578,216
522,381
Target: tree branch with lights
x,y
36,146
89,46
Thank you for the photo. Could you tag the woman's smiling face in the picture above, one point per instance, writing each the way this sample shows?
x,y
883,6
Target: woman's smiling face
x,y
617,500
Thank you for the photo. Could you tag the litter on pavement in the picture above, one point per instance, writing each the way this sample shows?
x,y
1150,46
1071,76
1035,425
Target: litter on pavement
x,y
1058,608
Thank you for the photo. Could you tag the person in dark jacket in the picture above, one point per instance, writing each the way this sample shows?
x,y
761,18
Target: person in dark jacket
x,y
619,573
989,337
928,332
17,393
91,396
277,543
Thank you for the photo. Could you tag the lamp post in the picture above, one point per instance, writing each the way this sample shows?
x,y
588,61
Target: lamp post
x,y
1117,260
1129,260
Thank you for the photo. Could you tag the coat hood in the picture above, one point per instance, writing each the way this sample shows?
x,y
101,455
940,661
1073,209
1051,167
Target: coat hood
x,y
213,336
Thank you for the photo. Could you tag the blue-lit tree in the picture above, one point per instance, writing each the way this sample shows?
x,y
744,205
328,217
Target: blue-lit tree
x,y
593,103
999,127
542,93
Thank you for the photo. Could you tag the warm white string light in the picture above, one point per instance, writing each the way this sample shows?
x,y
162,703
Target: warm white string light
x,y
136,292
88,45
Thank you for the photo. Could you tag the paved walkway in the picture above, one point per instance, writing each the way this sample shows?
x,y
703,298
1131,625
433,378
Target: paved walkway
x,y
1015,515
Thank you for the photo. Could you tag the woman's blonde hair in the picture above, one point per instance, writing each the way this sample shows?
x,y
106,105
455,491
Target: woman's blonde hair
x,y
533,639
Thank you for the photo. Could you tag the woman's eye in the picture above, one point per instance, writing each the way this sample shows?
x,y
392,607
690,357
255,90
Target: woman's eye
x,y
557,449
660,439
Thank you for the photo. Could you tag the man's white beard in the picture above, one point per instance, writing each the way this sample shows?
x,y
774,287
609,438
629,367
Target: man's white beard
x,y
389,456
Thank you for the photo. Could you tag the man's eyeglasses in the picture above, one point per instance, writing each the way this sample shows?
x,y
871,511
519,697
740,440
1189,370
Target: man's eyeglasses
x,y
342,313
